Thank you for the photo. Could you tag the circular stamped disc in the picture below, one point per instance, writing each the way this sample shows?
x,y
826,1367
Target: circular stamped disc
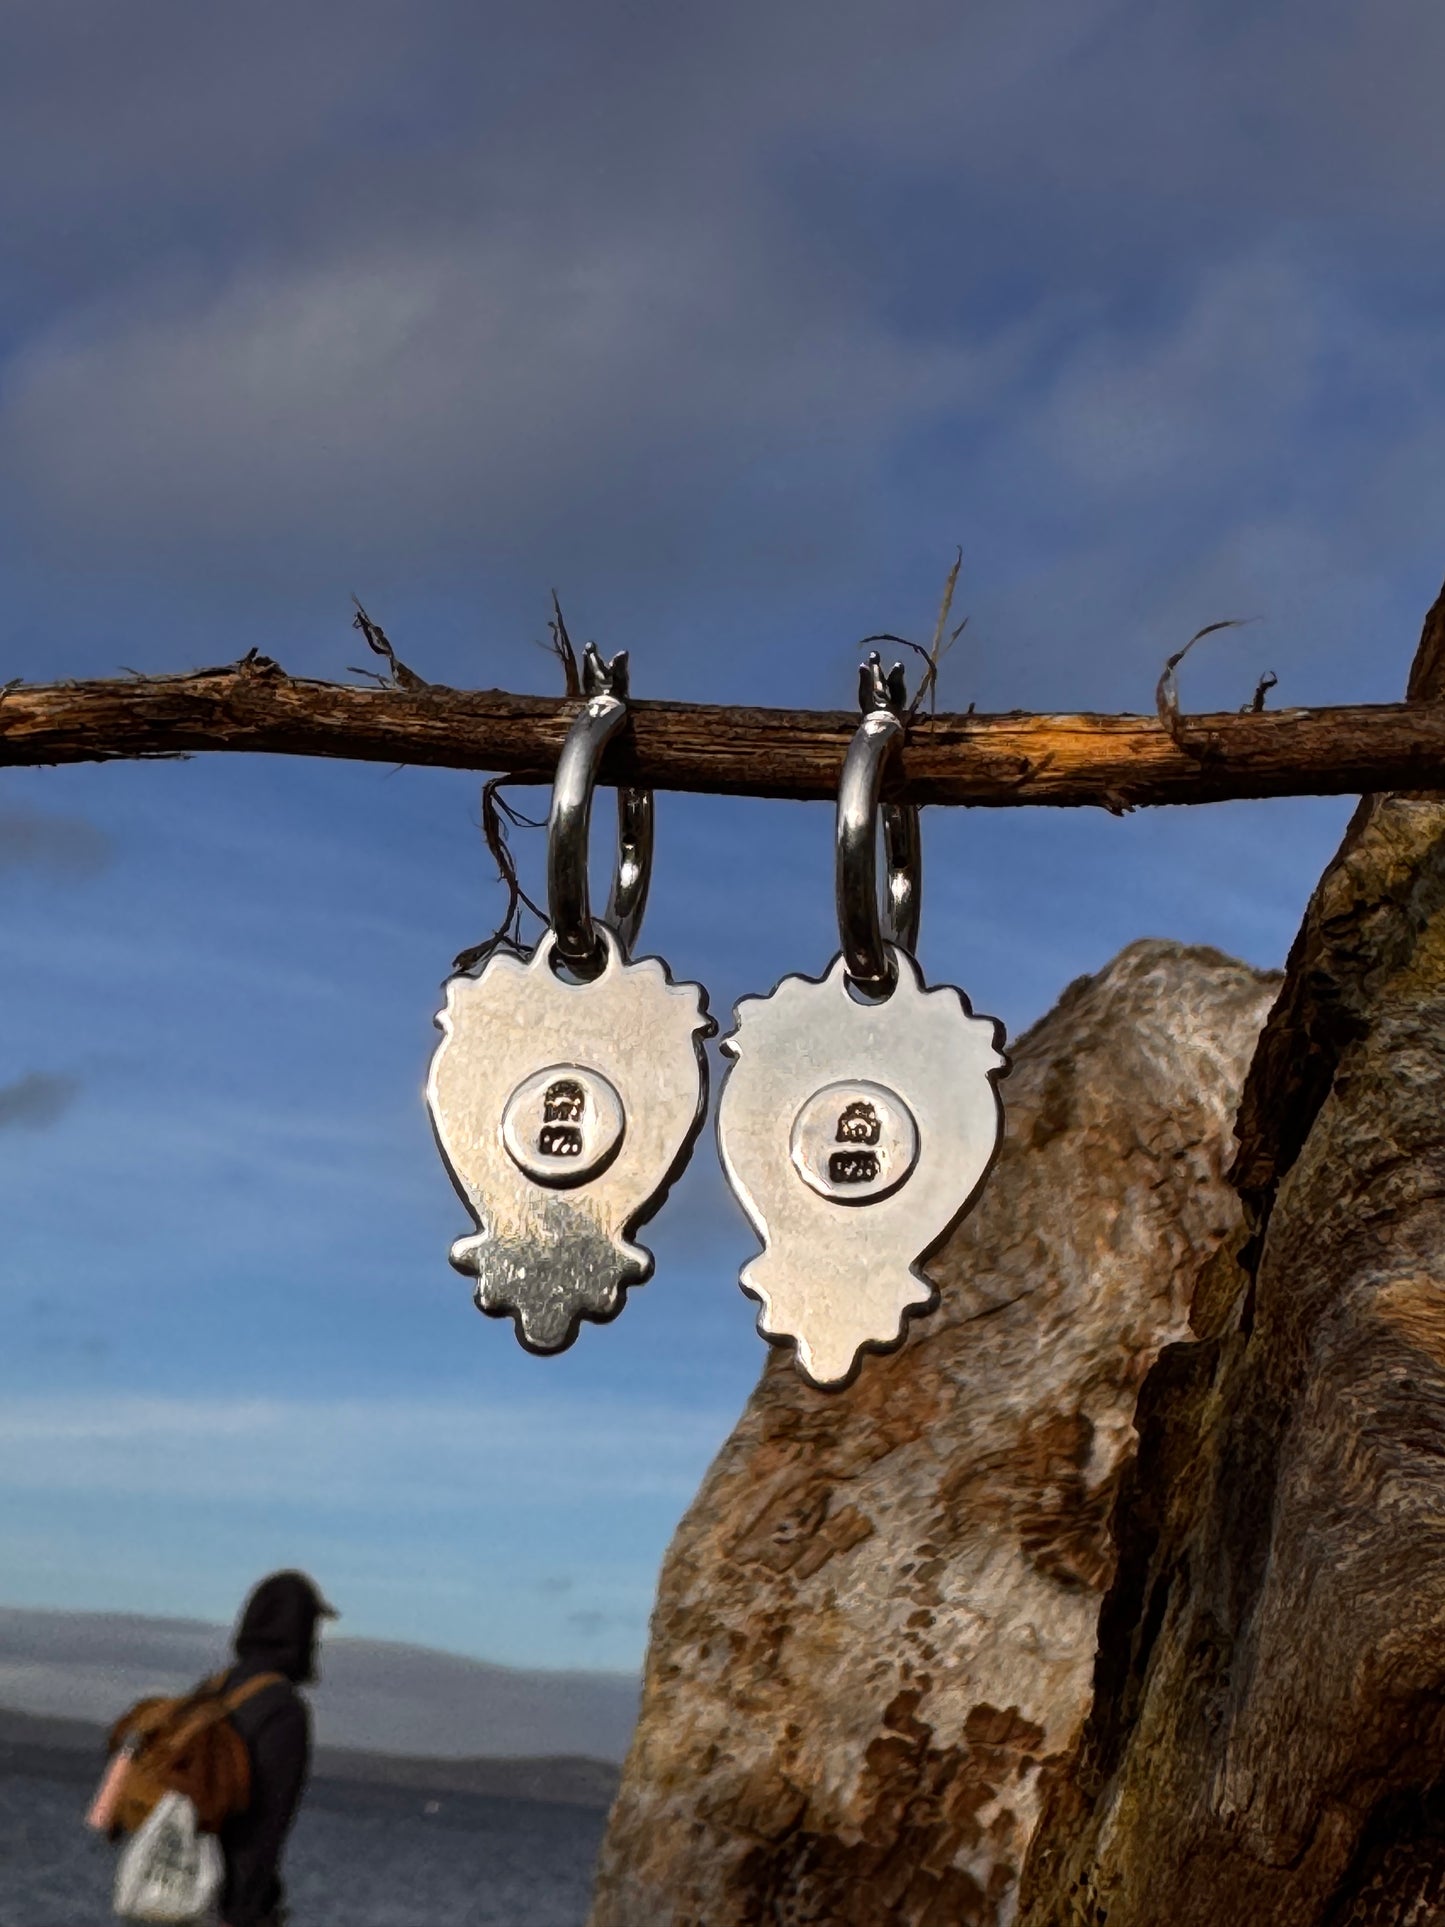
x,y
563,1125
854,1142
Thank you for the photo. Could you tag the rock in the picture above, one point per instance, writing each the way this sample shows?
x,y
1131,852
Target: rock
x,y
1267,1733
875,1627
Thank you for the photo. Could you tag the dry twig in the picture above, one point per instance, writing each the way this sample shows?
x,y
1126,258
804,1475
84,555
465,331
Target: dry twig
x,y
943,640
497,814
1269,680
377,640
561,647
1166,690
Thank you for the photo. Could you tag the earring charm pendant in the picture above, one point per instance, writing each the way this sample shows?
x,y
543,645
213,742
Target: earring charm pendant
x,y
565,1106
860,1115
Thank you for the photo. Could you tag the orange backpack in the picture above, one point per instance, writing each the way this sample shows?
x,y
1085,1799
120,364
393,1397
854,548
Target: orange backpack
x,y
186,1745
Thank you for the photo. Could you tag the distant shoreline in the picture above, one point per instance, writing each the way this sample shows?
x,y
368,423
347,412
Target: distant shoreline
x,y
374,1696
66,1749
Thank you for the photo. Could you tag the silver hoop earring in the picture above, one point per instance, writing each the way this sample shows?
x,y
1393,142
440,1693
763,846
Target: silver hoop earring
x,y
860,1115
570,1086
569,822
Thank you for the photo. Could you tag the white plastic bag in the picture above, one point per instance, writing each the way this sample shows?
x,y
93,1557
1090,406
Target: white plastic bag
x,y
170,1871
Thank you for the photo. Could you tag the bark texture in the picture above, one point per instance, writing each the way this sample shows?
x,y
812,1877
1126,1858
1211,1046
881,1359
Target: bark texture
x,y
1267,1741
1115,762
875,1627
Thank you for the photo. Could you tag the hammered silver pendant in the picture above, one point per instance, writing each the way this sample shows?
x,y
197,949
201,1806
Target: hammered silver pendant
x,y
855,1136
564,1111
570,1086
861,1114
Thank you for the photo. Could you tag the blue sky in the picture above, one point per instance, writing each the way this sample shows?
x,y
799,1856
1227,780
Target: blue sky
x,y
729,324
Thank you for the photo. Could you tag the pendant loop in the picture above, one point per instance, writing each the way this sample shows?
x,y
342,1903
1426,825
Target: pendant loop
x,y
864,930
569,902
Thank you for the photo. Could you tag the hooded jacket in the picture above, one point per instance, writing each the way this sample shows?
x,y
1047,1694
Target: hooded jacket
x,y
276,1634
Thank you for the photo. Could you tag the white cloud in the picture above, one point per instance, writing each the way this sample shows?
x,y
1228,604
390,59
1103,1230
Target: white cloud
x,y
674,294
416,1456
412,386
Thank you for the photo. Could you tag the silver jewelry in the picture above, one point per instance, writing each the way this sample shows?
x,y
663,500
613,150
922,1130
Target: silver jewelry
x,y
565,1105
861,1115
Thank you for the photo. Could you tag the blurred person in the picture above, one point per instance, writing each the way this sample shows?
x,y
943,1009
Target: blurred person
x,y
277,1633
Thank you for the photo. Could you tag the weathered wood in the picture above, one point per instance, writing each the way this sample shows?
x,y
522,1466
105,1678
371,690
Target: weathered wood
x,y
1267,1740
1116,762
875,1626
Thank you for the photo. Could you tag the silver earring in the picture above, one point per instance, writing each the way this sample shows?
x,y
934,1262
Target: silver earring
x,y
570,1086
860,1115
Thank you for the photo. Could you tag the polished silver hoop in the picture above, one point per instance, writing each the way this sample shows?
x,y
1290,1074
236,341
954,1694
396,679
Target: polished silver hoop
x,y
864,928
569,902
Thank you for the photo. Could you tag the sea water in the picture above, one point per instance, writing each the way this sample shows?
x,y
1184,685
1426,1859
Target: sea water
x,y
358,1857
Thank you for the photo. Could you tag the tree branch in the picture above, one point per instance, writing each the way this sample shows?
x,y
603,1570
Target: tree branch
x,y
1117,762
